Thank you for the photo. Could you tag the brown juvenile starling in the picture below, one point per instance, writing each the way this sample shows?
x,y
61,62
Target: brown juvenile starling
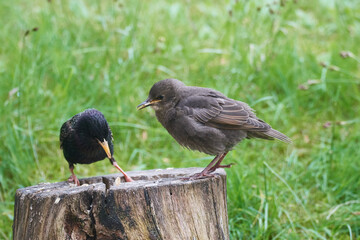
x,y
86,138
205,120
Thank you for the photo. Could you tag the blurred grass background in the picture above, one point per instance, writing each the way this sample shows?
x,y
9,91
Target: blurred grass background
x,y
296,62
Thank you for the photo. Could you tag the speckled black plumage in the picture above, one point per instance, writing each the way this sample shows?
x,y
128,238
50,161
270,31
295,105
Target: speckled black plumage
x,y
204,119
78,137
85,138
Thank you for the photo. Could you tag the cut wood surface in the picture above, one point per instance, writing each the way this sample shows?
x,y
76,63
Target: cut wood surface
x,y
157,205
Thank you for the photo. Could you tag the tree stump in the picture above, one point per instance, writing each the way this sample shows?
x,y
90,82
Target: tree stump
x,y
157,205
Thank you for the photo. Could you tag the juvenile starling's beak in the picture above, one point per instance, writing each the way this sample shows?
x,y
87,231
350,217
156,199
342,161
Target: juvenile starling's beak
x,y
147,103
106,148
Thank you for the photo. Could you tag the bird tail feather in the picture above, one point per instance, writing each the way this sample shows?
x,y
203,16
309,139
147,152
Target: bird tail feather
x,y
278,135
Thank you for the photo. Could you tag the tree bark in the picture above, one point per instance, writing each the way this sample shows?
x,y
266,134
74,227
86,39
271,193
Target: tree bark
x,y
157,205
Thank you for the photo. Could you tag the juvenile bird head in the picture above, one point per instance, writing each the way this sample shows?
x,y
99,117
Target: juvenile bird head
x,y
162,95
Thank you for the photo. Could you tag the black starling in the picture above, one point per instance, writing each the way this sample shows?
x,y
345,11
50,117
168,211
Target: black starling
x,y
87,138
205,120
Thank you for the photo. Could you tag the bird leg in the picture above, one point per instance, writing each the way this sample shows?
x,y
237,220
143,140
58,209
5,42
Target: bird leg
x,y
127,177
73,177
225,166
217,165
206,172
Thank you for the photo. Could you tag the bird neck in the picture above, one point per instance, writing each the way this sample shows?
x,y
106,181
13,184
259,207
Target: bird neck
x,y
161,115
166,115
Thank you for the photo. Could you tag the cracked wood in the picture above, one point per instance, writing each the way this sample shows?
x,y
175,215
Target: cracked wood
x,y
158,205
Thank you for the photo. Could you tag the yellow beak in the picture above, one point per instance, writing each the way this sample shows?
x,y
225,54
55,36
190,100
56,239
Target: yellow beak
x,y
147,103
106,148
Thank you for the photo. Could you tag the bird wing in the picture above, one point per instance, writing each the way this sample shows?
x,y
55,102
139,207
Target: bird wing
x,y
218,111
64,132
67,128
111,134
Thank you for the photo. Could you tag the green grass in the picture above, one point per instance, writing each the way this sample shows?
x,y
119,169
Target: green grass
x,y
107,55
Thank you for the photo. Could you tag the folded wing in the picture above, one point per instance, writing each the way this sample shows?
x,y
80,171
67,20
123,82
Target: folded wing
x,y
218,111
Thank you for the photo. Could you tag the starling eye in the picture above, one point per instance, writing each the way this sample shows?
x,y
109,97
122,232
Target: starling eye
x,y
160,97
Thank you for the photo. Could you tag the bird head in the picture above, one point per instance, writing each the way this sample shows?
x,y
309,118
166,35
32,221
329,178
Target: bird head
x,y
162,95
93,126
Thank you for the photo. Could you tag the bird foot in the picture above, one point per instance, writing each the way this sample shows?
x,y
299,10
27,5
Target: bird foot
x,y
213,169
74,179
198,176
128,178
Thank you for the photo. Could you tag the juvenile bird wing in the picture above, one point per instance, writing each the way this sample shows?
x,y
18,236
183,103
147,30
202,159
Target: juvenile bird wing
x,y
218,111
238,115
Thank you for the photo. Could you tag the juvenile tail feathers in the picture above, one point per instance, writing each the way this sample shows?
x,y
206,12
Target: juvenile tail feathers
x,y
278,135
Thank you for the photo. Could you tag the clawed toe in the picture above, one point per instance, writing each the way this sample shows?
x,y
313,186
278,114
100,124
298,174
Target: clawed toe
x,y
128,178
226,166
198,176
74,180
213,169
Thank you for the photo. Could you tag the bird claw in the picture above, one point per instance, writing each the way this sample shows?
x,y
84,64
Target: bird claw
x,y
227,165
128,178
197,176
213,169
74,179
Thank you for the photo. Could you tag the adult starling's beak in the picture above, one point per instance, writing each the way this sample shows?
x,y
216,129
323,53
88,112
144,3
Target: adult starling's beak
x,y
106,148
147,103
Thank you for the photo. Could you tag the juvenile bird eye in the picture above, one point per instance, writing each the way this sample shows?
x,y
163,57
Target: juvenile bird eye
x,y
160,97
